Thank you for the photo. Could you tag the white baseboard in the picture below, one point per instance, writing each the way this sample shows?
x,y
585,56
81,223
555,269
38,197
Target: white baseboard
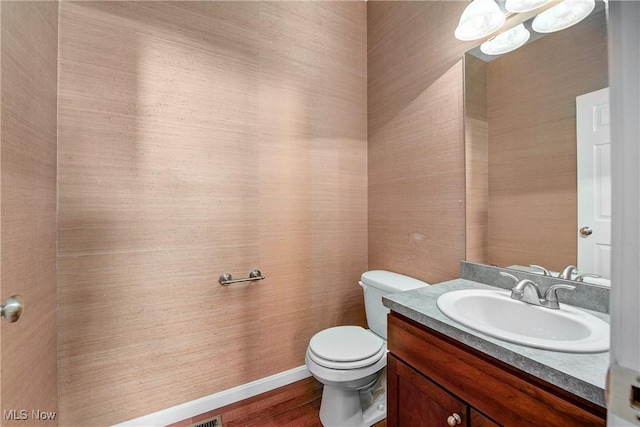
x,y
218,400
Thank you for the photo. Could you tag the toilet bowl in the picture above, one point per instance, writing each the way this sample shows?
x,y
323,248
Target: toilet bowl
x,y
350,360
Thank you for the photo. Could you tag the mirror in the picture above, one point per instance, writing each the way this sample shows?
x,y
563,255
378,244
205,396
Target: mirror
x,y
521,147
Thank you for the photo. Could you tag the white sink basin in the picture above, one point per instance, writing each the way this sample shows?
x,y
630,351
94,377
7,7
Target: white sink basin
x,y
494,313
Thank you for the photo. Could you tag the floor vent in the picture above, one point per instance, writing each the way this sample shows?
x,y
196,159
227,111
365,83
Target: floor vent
x,y
211,422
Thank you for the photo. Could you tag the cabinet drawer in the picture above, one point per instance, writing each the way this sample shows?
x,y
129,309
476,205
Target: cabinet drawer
x,y
507,395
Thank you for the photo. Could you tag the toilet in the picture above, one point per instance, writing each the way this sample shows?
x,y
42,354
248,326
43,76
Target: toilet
x,y
350,360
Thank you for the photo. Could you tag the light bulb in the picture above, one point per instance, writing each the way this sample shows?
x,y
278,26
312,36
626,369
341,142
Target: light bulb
x,y
507,41
479,19
563,15
520,6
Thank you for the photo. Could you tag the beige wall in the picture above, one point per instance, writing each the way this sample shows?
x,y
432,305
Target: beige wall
x,y
197,138
532,152
28,206
416,144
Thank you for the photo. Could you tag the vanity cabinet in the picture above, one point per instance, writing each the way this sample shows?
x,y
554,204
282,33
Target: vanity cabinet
x,y
431,377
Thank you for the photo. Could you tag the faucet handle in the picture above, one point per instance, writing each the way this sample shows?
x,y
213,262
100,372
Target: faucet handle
x,y
581,277
510,276
543,270
550,294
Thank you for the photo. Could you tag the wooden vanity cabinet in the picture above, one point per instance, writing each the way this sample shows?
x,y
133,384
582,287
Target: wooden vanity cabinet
x,y
419,402
432,377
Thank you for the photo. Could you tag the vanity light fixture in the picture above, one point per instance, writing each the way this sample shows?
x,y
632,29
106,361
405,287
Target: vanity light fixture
x,y
479,19
507,41
521,6
483,17
563,15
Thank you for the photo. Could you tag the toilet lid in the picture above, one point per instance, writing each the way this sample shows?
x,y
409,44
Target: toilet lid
x,y
363,363
346,344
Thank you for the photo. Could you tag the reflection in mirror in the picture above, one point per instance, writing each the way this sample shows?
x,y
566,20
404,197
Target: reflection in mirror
x,y
521,149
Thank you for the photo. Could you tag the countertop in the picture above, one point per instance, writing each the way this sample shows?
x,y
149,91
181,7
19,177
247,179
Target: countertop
x,y
581,374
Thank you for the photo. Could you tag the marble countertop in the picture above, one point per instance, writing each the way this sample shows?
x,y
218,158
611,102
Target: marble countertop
x,y
581,374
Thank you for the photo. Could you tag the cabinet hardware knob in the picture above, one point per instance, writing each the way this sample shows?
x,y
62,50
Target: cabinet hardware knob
x,y
454,420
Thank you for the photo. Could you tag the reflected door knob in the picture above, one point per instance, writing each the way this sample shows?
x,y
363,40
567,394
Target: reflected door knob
x,y
586,231
454,420
12,308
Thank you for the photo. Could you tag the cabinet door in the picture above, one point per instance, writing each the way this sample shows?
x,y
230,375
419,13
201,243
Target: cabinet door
x,y
414,401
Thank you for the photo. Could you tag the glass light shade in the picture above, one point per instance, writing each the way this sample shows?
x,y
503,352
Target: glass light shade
x,y
563,15
507,41
479,19
520,6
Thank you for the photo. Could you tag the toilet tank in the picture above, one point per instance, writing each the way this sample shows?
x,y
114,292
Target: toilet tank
x,y
376,284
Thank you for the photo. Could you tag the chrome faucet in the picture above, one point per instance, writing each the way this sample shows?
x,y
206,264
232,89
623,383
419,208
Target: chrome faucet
x,y
524,290
568,271
527,291
550,299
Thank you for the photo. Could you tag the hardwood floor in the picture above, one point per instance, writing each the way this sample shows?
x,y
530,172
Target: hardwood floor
x,y
295,405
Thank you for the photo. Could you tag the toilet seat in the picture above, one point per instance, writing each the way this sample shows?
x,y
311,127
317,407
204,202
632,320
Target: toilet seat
x,y
346,347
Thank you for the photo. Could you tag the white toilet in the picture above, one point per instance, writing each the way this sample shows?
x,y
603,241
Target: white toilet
x,y
350,360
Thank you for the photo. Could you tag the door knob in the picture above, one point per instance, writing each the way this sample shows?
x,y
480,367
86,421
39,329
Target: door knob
x,y
12,308
586,231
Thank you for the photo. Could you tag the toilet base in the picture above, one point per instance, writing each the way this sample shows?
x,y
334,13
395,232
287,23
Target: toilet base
x,y
343,408
376,412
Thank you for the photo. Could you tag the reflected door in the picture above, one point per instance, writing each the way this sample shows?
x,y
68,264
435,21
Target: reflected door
x,y
594,183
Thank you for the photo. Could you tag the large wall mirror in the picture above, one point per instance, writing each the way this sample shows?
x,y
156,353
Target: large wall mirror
x,y
521,145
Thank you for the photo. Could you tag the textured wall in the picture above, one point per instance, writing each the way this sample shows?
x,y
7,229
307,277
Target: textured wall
x,y
197,138
28,206
531,95
416,146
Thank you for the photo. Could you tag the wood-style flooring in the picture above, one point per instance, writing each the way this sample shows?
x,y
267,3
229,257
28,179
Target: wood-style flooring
x,y
295,405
